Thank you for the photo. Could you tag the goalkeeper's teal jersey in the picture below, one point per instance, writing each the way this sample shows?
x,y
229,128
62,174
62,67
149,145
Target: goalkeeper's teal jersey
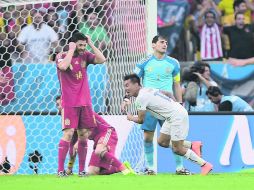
x,y
158,73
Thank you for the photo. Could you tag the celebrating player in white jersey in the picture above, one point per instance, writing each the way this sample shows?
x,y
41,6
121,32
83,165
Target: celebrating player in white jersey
x,y
162,106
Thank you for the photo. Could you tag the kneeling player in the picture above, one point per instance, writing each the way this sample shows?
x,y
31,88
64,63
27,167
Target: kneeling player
x,y
102,161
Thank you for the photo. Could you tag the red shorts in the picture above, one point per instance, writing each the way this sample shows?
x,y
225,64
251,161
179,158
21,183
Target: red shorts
x,y
109,138
78,117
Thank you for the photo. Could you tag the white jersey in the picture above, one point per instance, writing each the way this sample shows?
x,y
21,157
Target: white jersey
x,y
38,41
158,104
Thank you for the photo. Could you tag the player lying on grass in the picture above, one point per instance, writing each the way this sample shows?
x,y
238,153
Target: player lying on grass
x,y
162,106
102,160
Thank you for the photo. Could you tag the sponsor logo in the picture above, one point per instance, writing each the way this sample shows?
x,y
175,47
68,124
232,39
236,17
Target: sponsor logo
x,y
12,141
240,129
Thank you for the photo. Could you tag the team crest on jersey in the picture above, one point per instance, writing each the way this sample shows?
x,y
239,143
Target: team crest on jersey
x,y
67,122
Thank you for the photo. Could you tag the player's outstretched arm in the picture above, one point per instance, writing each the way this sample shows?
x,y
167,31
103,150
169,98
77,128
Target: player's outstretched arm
x,y
65,63
99,57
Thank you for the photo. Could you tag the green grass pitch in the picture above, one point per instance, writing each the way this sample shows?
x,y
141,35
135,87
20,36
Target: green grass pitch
x,y
232,181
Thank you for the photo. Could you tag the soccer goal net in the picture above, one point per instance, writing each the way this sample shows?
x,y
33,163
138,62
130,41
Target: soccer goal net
x,y
30,126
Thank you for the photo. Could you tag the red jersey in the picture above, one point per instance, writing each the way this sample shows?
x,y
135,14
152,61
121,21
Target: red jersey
x,y
75,91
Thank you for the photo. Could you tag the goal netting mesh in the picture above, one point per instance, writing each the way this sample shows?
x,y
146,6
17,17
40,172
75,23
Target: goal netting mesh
x,y
30,126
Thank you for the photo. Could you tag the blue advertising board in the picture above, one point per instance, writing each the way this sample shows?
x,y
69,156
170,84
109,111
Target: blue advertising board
x,y
227,143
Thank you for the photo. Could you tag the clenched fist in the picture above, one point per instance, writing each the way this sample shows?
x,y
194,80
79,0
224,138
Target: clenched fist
x,y
72,46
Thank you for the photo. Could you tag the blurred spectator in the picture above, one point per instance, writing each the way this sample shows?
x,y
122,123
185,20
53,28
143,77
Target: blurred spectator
x,y
231,7
210,5
240,38
24,18
6,75
62,11
198,80
8,20
210,37
241,6
92,26
227,11
67,25
227,103
51,18
38,38
162,24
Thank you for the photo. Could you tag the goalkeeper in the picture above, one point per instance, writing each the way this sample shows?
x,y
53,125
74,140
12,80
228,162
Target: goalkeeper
x,y
103,161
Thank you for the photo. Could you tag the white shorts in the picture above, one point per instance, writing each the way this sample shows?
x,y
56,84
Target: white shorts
x,y
177,126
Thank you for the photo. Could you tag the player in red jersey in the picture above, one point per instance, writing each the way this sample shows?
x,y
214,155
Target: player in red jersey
x,y
105,139
76,102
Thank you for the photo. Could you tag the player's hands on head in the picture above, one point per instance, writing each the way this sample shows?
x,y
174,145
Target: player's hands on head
x,y
89,41
72,46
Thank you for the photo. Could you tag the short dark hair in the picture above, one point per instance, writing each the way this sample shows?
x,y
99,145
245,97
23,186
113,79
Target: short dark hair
x,y
156,38
210,12
213,91
236,14
78,36
134,78
225,106
237,3
200,66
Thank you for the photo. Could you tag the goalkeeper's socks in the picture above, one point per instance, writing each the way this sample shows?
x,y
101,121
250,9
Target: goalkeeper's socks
x,y
192,156
179,161
149,151
63,148
82,150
